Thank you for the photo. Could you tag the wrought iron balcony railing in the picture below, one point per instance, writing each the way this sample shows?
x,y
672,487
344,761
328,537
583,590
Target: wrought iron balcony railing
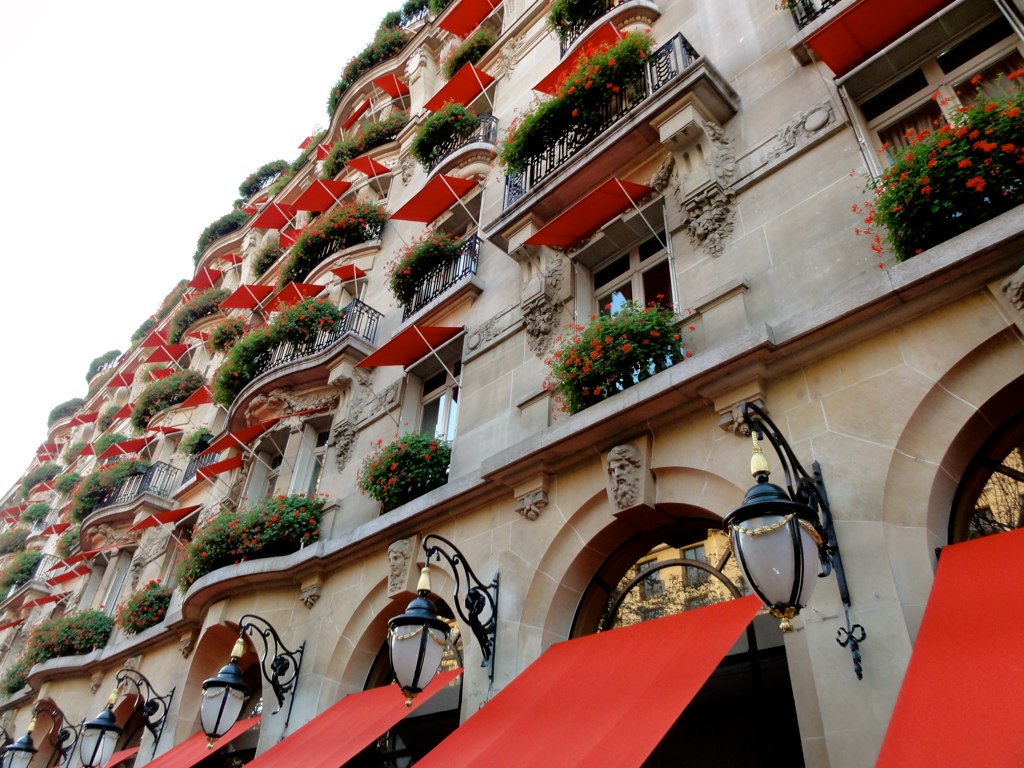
x,y
574,30
806,11
195,464
666,63
160,479
486,132
39,573
357,318
440,279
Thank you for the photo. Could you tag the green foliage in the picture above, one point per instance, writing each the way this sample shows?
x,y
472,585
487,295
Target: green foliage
x,y
99,362
18,570
581,99
277,525
171,300
65,409
94,487
67,544
349,224
387,43
404,469
98,383
225,225
299,162
195,441
224,335
436,6
370,134
102,443
471,51
261,178
106,418
301,322
66,482
67,635
143,330
953,178
197,307
72,451
265,258
562,14
143,608
449,121
612,353
14,677
13,540
411,9
33,513
163,393
40,474
420,258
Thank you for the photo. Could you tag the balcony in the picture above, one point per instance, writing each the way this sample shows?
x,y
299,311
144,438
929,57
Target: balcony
x,y
359,319
160,479
444,277
195,464
666,64
626,9
486,132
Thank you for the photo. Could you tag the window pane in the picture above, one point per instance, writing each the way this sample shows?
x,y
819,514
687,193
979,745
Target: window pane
x,y
453,412
611,272
651,247
658,285
993,83
611,303
431,416
924,118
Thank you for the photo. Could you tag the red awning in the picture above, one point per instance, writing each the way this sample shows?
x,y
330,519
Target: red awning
x,y
323,150
437,196
121,380
196,747
119,757
125,411
602,37
348,272
201,396
464,16
165,430
321,195
274,216
9,624
863,28
125,447
288,237
54,529
468,83
167,517
391,85
205,278
247,297
240,437
960,699
367,166
410,345
589,214
46,485
168,353
69,575
306,142
83,556
604,699
155,339
85,418
46,599
292,293
202,336
346,728
160,373
219,467
46,449
231,258
88,450
356,114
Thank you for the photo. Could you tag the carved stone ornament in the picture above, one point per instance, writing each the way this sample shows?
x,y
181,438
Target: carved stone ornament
x,y
406,168
366,403
153,543
105,534
800,129
343,440
624,481
663,176
96,681
400,562
1013,287
709,217
540,316
283,402
310,594
532,503
511,52
186,644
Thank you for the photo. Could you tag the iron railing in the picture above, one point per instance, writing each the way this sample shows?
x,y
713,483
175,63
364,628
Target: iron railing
x,y
195,464
806,11
441,278
160,479
39,573
486,132
357,318
665,65
572,31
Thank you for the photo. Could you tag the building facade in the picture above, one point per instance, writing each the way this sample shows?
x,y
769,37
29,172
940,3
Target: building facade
x,y
397,279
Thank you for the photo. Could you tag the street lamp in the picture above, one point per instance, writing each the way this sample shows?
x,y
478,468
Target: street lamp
x,y
416,638
99,735
19,754
154,710
224,695
778,534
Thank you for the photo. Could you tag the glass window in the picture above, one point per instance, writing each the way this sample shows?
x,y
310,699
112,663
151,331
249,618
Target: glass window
x,y
319,452
440,406
641,275
273,474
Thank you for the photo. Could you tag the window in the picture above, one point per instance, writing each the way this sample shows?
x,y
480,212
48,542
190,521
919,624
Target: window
x,y
118,572
440,405
641,275
319,453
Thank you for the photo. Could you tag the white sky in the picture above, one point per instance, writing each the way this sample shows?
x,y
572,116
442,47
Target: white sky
x,y
126,128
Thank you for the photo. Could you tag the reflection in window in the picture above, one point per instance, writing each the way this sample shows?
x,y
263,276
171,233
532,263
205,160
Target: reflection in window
x,y
990,498
641,275
440,406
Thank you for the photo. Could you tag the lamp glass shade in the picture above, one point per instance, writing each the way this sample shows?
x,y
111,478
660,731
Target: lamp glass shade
x,y
779,561
223,698
416,642
97,745
19,754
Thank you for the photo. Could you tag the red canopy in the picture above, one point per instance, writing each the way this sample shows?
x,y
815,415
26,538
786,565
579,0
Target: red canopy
x,y
464,16
219,467
306,142
69,575
589,214
468,83
292,293
367,166
125,411
121,380
125,447
119,757
603,36
46,485
321,195
288,237
203,336
167,517
155,339
84,418
160,373
231,258
54,529
9,624
168,353
604,699
391,85
196,747
960,699
83,556
205,278
346,728
46,449
46,599
437,196
87,450
165,430
323,150
201,396
410,345
348,272
240,437
356,114
274,216
247,297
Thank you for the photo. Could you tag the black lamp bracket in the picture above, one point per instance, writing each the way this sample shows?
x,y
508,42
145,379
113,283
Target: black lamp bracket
x,y
67,736
479,598
280,666
155,706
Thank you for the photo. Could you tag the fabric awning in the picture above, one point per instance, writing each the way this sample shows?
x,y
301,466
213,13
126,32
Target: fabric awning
x,y
367,166
355,115
219,467
391,85
45,599
464,16
321,195
46,485
46,449
589,214
343,730
125,447
85,418
195,748
203,336
323,150
465,85
292,293
55,529
410,345
604,699
160,373
165,430
247,297
274,216
205,278
88,449
9,624
288,237
125,411
960,699
201,396
348,272
306,142
603,36
437,196
121,380
86,555
167,517
239,438
69,575
119,757
231,258
168,353
155,339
